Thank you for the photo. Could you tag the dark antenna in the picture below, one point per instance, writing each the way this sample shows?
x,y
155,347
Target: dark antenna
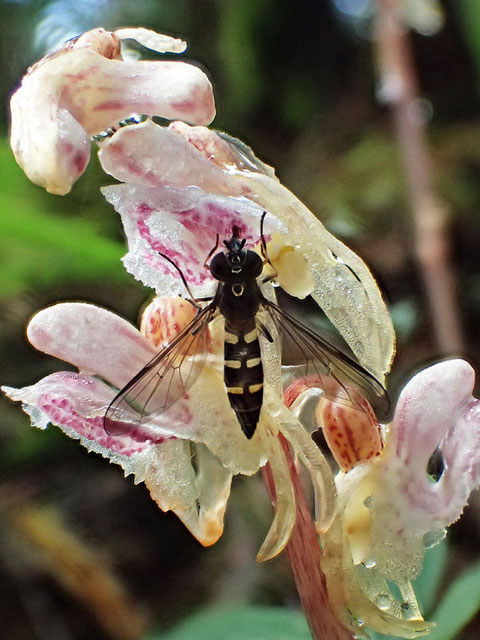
x,y
193,299
263,246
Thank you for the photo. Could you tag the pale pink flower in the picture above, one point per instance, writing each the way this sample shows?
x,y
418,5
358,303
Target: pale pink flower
x,y
187,455
183,185
85,87
389,510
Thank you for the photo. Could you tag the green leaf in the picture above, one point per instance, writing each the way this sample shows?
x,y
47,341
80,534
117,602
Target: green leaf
x,y
241,623
458,606
469,13
40,248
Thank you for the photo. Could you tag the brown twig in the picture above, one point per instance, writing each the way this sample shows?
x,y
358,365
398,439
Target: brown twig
x,y
80,570
399,87
305,556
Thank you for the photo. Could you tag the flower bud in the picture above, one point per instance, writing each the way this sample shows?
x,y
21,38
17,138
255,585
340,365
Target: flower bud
x,y
164,318
351,429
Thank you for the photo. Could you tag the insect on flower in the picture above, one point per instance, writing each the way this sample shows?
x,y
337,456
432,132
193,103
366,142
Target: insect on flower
x,y
239,299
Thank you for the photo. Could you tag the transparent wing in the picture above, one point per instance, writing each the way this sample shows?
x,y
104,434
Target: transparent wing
x,y
163,380
323,365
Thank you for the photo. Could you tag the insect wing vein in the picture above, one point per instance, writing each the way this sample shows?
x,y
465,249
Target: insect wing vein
x,y
322,359
163,380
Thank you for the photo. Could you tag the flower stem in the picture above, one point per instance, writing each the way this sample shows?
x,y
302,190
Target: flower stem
x,y
305,556
430,215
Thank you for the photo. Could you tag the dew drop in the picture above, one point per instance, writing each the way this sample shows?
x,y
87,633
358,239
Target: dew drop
x,y
369,563
431,538
383,601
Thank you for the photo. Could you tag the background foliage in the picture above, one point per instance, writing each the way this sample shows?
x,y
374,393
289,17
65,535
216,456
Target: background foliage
x,y
83,553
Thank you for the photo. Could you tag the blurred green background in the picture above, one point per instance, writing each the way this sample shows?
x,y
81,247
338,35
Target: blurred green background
x,y
84,554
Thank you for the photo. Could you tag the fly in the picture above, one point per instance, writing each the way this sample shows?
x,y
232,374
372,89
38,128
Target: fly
x,y
239,299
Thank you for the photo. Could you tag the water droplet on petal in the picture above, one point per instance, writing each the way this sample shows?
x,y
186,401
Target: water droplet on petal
x,y
383,601
432,538
369,563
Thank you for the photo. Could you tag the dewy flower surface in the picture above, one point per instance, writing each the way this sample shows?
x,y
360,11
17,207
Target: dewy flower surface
x,y
182,185
108,351
390,510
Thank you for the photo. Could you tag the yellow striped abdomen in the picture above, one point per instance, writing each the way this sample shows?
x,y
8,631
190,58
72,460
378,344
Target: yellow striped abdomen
x,y
243,373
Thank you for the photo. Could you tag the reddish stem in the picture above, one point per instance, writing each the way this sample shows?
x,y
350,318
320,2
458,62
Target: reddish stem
x,y
305,556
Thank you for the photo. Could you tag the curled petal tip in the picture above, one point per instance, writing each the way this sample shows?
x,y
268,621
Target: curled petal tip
x,y
86,87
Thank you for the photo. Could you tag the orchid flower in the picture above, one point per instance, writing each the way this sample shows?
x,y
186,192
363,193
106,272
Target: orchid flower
x,y
180,187
85,87
108,351
389,510
173,174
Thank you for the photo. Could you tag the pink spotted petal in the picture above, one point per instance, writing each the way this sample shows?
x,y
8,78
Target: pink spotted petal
x,y
182,224
92,339
181,476
75,403
337,279
99,343
86,87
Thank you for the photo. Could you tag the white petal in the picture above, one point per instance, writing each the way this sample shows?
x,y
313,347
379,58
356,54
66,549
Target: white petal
x,y
197,496
150,155
92,339
152,40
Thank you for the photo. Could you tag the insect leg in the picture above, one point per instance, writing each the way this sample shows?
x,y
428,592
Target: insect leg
x,y
263,248
262,239
193,300
205,264
264,331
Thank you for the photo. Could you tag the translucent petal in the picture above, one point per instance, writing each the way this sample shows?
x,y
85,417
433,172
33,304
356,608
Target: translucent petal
x,y
74,403
285,507
197,495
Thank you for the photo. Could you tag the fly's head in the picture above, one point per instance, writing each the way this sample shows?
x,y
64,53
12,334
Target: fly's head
x,y
237,263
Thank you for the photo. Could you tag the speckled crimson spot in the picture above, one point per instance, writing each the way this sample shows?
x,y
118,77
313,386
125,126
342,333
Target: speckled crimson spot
x,y
76,77
62,413
164,318
144,209
76,159
196,275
